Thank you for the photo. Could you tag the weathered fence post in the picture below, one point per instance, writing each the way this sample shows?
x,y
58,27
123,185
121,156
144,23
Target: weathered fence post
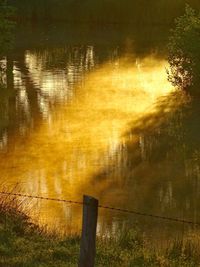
x,y
88,238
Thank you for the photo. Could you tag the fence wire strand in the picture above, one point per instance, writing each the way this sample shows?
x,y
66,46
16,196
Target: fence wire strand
x,y
178,220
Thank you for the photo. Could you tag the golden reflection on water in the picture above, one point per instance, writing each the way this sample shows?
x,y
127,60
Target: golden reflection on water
x,y
80,138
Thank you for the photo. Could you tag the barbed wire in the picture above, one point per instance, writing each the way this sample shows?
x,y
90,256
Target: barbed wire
x,y
178,220
150,215
40,197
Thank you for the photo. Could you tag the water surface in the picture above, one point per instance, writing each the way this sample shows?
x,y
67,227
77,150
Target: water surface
x,y
99,118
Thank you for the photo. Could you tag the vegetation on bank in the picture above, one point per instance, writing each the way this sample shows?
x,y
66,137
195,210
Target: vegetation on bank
x,y
184,52
24,244
102,11
6,26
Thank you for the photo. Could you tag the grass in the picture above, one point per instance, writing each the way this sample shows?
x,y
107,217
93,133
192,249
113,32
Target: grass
x,y
24,244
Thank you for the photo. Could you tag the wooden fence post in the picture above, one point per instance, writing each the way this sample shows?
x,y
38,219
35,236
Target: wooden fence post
x,y
88,237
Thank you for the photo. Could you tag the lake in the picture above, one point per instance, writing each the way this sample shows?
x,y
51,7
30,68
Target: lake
x,y
89,110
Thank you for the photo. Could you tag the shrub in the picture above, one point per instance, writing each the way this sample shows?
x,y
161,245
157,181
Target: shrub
x,y
184,52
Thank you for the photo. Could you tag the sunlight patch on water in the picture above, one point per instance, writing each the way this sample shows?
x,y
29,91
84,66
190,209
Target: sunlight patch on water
x,y
81,137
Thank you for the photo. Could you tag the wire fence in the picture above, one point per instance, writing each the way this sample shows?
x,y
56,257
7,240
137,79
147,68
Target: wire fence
x,y
178,220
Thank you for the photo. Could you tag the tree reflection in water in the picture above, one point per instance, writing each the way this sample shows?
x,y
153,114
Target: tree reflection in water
x,y
157,168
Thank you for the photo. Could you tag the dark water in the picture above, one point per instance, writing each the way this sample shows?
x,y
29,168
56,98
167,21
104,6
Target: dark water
x,y
90,111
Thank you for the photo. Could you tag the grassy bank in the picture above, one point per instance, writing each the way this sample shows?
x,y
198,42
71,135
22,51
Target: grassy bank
x,y
23,243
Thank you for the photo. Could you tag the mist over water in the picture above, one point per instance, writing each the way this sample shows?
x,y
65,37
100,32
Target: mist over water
x,y
99,118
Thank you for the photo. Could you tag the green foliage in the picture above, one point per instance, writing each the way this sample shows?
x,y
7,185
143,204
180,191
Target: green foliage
x,y
102,11
184,52
6,27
